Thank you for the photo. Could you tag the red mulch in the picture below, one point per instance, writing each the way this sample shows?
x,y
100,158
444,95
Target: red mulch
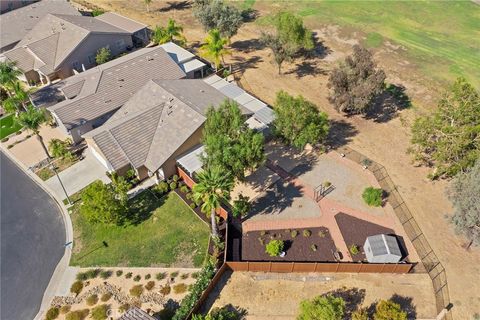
x,y
297,249
355,231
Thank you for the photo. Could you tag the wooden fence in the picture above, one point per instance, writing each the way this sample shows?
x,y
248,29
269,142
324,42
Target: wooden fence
x,y
327,267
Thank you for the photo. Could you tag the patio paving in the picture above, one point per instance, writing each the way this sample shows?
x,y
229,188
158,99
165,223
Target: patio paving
x,y
78,176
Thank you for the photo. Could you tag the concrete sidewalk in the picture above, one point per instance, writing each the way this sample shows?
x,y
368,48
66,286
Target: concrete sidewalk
x,y
78,176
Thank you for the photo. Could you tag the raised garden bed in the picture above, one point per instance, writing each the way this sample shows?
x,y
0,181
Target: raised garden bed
x,y
298,248
355,231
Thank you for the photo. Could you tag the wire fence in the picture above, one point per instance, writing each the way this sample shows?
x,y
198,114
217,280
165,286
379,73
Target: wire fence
x,y
430,261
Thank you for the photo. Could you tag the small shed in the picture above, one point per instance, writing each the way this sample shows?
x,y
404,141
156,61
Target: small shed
x,y
382,248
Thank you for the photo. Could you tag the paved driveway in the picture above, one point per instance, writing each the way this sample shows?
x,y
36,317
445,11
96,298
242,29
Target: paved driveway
x,y
78,176
32,242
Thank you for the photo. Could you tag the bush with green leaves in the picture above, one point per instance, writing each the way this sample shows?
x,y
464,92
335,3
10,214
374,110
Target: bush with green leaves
x,y
105,297
180,288
173,185
354,249
52,313
161,187
307,233
373,196
241,206
161,276
60,148
201,283
150,285
103,55
100,312
137,278
218,14
389,310
65,309
136,291
326,307
360,314
274,248
92,300
294,233
76,287
184,189
128,275
119,273
174,274
106,274
77,315
101,204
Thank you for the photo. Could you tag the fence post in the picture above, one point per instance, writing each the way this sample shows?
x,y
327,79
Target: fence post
x,y
293,266
338,265
315,269
383,266
248,265
270,267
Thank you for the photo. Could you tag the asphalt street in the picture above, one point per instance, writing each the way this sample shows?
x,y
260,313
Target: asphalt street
x,y
32,242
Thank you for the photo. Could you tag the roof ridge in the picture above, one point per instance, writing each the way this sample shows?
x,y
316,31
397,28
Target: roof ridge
x,y
155,133
119,146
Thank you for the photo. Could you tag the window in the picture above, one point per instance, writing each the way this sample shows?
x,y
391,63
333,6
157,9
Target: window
x,y
76,65
120,44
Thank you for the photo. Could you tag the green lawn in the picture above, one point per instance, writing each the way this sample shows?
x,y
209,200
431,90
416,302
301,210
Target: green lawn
x,y
442,37
8,125
168,234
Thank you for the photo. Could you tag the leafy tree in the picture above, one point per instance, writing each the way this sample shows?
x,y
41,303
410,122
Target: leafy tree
x,y
356,82
213,185
299,121
100,204
216,14
449,138
59,148
389,310
17,98
274,248
214,47
8,75
290,37
223,313
241,206
172,32
147,4
229,143
32,119
464,192
322,307
121,187
373,196
100,312
103,55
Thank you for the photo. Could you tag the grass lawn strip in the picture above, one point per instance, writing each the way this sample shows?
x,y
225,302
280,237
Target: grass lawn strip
x,y
8,125
164,232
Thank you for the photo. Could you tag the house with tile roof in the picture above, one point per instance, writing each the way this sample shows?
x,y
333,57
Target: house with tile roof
x,y
60,45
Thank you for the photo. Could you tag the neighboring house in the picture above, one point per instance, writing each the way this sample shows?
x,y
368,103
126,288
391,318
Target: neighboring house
x,y
163,120
62,45
91,97
9,5
382,248
139,31
14,25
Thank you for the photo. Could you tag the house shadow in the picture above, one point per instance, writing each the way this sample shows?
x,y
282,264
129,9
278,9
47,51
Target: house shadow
x,y
385,106
340,134
175,5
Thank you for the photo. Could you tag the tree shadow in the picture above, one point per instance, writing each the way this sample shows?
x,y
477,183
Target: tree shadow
x,y
406,303
248,45
215,293
175,5
308,67
340,134
142,206
353,298
385,107
320,50
168,311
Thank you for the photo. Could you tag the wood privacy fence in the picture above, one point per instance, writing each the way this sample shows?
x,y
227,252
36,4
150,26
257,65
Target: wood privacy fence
x,y
327,267
429,260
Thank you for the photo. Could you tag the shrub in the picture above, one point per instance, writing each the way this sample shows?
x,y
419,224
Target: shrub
x,y
93,273
262,242
354,249
322,307
184,189
92,300
128,275
76,287
4,139
162,187
119,273
165,290
105,297
372,196
179,288
82,276
137,278
106,274
52,313
174,274
124,307
161,276
184,276
175,178
136,291
274,248
195,275
294,233
313,247
322,234
307,233
103,55
173,185
150,284
189,196
193,205
327,184
148,276
360,314
77,315
65,309
99,312
241,206
263,232
387,310
10,146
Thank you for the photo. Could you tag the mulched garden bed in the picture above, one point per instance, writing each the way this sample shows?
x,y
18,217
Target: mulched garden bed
x,y
298,248
355,231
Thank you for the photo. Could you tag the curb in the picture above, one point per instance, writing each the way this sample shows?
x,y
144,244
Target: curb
x,y
63,264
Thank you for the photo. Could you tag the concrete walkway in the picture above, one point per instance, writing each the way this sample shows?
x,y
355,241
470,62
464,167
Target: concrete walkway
x,y
78,176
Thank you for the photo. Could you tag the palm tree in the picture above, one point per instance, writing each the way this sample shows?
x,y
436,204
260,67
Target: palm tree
x,y
214,47
20,93
172,32
212,186
8,75
32,119
147,3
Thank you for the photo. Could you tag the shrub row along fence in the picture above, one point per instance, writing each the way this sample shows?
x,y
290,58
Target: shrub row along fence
x,y
328,267
430,261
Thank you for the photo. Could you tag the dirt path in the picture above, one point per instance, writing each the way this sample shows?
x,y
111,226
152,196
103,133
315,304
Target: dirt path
x,y
385,141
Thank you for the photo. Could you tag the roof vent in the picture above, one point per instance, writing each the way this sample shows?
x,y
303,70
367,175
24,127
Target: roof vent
x,y
109,100
202,91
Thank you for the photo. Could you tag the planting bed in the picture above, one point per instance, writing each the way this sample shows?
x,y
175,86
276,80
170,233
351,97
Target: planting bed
x,y
298,248
355,231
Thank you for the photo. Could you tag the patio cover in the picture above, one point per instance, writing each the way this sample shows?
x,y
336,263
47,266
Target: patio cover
x,y
191,160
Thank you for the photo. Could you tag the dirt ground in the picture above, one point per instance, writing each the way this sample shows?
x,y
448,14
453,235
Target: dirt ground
x,y
270,292
372,137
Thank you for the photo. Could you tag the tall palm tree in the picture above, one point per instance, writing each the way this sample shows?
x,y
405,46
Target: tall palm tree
x,y
212,186
214,47
20,93
17,99
8,75
32,119
172,32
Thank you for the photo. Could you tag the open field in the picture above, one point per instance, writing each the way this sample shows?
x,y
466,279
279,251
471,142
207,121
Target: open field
x,y
167,234
8,125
